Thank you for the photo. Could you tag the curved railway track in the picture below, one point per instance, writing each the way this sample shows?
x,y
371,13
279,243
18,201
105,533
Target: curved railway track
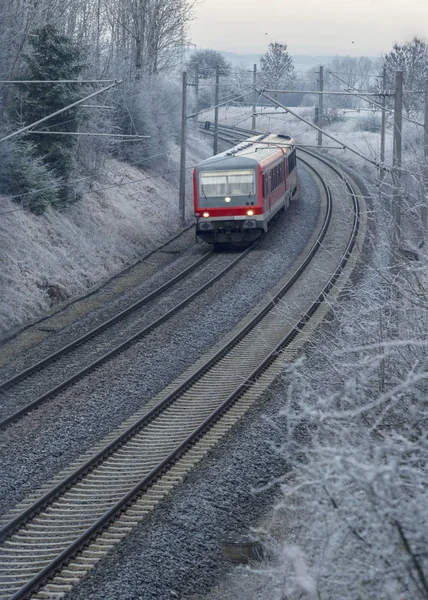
x,y
39,376
64,531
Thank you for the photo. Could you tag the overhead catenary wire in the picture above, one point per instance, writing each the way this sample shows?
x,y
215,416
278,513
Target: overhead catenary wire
x,y
363,94
119,135
70,183
108,187
53,81
222,103
344,146
58,112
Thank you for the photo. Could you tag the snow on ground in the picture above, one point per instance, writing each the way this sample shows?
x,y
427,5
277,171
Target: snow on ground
x,y
127,213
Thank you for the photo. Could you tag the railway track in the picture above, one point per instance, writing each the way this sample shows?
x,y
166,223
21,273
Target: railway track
x,y
72,362
56,536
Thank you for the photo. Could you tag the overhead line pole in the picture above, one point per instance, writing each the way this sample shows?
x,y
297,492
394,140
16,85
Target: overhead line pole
x,y
253,119
321,105
424,207
217,93
383,127
396,168
196,95
182,193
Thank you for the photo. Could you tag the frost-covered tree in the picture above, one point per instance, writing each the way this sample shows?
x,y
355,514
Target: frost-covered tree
x,y
412,59
356,440
207,61
276,66
52,56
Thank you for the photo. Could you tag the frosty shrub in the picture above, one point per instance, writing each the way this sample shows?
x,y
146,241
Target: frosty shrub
x,y
369,122
355,437
333,115
92,151
207,94
25,177
150,107
310,100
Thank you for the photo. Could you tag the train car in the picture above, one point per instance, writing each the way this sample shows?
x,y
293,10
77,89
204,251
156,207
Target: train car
x,y
238,192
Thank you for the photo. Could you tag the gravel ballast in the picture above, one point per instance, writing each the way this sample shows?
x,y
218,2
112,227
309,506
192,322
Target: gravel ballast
x,y
44,442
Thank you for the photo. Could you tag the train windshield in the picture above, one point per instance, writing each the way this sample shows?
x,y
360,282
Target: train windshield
x,y
227,183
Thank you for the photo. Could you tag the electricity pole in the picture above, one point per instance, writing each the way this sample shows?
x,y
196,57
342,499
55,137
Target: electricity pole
x,y
396,166
253,120
320,106
182,196
424,207
196,94
382,133
217,100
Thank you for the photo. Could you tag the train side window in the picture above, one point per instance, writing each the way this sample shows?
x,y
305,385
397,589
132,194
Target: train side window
x,y
265,185
291,162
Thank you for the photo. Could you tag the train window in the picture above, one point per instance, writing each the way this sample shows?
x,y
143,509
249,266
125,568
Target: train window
x,y
291,160
277,176
227,183
240,185
213,185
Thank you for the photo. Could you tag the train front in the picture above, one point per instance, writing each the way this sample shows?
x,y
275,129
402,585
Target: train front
x,y
226,199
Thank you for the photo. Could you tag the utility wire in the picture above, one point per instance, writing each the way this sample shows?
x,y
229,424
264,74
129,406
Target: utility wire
x,y
70,183
116,185
58,112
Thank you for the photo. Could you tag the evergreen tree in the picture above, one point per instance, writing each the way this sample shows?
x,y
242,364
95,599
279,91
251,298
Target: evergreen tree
x,y
53,56
25,177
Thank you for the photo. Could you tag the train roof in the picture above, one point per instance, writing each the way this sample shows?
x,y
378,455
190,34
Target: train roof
x,y
255,150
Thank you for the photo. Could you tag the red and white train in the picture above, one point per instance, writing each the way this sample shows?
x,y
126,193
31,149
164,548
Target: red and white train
x,y
237,192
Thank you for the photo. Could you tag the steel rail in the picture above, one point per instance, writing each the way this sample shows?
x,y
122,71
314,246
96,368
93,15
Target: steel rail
x,y
22,375
123,345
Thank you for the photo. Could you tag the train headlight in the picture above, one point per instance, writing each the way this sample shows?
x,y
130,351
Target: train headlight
x,y
227,199
250,212
206,214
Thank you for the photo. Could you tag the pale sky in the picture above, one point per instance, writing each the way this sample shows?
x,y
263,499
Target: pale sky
x,y
323,27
